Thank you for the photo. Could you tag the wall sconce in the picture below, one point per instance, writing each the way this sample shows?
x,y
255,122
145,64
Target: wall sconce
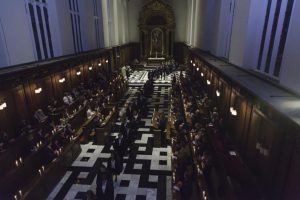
x,y
233,111
194,64
3,105
62,80
191,61
99,64
38,90
202,74
18,162
42,170
78,73
197,69
218,93
106,61
208,82
90,68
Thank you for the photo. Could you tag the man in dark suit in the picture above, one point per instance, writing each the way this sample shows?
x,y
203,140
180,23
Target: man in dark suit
x,y
115,165
105,187
120,145
162,124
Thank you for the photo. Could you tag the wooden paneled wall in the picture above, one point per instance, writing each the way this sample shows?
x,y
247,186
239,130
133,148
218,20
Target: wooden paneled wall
x,y
17,89
267,141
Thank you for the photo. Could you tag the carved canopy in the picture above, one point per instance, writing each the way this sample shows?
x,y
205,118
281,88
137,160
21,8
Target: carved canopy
x,y
157,13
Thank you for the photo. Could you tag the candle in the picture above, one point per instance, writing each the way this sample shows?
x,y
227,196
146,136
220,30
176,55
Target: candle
x,y
20,159
15,197
17,163
20,192
43,168
40,172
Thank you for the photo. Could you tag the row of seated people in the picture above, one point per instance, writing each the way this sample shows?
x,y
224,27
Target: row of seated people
x,y
209,154
68,106
56,134
182,164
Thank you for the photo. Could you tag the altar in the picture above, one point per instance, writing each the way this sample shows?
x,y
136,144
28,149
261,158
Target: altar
x,y
155,61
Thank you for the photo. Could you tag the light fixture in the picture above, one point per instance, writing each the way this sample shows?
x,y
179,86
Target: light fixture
x,y
78,73
191,61
202,74
233,111
99,64
90,68
208,82
197,69
218,93
38,90
106,61
62,80
3,105
194,64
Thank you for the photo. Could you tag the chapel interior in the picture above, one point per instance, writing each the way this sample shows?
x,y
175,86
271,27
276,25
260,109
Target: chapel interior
x,y
149,99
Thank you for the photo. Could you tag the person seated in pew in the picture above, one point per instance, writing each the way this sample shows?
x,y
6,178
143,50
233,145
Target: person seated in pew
x,y
115,165
25,127
4,140
41,136
75,93
97,121
50,154
66,114
68,99
40,116
68,130
89,112
58,141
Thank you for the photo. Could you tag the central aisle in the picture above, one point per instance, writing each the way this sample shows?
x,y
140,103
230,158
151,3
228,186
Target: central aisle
x,y
146,175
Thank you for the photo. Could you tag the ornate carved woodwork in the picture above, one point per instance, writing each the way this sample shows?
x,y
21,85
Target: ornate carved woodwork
x,y
156,24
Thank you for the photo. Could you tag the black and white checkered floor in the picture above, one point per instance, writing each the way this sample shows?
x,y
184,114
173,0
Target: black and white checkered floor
x,y
146,175
140,77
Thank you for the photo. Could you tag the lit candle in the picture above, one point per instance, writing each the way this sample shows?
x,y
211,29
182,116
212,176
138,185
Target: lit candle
x,y
40,172
43,168
17,163
20,159
16,197
20,192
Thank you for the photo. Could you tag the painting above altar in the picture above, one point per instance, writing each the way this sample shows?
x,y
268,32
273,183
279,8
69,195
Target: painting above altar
x,y
157,48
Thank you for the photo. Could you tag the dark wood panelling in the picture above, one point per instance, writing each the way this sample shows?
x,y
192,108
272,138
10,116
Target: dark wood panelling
x,y
17,87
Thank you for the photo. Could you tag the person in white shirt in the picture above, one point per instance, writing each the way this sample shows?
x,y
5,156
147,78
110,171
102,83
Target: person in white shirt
x,y
89,112
68,99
